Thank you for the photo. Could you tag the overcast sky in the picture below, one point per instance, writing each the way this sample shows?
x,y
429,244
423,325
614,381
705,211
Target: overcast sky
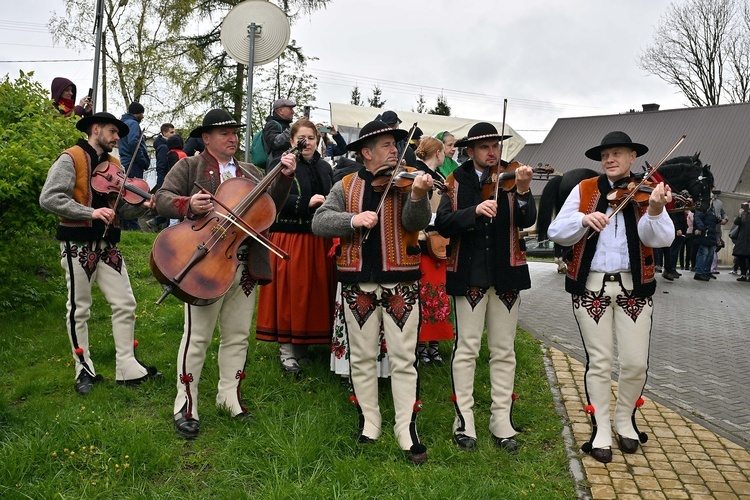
x,y
549,58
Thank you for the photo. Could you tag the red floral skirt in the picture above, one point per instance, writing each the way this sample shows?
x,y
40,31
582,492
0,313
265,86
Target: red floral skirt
x,y
437,313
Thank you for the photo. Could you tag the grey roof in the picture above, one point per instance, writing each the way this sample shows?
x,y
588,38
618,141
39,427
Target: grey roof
x,y
720,133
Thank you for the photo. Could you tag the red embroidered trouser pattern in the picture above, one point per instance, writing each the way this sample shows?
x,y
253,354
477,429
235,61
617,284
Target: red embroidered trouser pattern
x,y
603,309
364,349
234,312
115,286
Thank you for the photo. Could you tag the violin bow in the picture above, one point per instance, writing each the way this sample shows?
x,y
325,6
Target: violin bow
x,y
122,188
396,171
646,177
500,159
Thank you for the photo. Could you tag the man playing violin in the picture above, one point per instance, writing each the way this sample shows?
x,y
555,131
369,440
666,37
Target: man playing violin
x,y
88,232
486,270
611,280
379,272
180,198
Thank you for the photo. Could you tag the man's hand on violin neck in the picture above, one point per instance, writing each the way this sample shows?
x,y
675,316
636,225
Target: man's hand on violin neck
x,y
660,196
422,184
524,174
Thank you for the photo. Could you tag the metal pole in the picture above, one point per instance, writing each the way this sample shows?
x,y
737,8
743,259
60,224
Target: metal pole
x,y
252,31
97,51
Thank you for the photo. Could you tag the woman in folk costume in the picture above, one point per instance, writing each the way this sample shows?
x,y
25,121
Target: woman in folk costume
x,y
611,280
296,308
437,317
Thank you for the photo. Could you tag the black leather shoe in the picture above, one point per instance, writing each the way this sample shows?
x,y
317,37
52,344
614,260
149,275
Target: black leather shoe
x,y
701,277
85,382
508,444
186,427
627,445
465,442
151,374
362,439
603,455
245,415
668,276
417,454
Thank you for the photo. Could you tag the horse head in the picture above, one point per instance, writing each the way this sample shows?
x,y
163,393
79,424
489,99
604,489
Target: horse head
x,y
687,173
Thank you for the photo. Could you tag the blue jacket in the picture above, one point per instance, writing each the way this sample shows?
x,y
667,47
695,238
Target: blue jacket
x,y
126,145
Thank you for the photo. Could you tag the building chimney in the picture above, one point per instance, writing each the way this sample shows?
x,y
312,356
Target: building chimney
x,y
650,107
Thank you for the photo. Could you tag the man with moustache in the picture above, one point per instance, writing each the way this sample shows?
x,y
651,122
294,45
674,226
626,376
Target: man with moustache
x,y
88,232
486,270
180,198
380,279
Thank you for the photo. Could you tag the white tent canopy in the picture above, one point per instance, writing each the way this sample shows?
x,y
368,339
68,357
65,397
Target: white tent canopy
x,y
355,117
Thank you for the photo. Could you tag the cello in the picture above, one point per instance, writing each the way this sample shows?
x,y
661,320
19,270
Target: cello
x,y
196,260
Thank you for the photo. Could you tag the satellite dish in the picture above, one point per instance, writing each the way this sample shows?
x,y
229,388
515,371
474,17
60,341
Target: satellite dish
x,y
272,31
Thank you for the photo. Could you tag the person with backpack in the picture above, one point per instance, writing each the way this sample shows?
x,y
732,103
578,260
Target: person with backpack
x,y
275,133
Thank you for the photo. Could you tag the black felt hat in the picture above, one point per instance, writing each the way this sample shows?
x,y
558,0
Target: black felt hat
x,y
102,117
215,118
613,140
480,132
373,129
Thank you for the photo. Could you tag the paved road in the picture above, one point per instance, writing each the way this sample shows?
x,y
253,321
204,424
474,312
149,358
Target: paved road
x,y
700,343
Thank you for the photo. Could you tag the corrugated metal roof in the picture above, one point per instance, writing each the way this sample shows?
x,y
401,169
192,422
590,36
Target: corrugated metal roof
x,y
720,133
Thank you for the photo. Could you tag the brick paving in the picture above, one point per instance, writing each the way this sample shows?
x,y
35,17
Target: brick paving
x,y
681,459
696,413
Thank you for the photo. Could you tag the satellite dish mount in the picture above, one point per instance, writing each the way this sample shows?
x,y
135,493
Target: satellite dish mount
x,y
254,32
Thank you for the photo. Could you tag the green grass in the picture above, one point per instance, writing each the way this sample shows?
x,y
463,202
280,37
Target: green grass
x,y
119,442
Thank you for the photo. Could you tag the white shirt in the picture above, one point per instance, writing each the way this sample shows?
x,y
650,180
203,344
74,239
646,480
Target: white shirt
x,y
611,255
227,171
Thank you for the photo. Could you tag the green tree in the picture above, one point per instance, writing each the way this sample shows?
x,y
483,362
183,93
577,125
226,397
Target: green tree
x,y
376,101
32,135
140,42
356,96
421,104
442,107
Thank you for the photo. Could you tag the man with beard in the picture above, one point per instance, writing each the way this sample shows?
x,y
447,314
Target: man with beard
x,y
180,198
380,279
486,270
89,232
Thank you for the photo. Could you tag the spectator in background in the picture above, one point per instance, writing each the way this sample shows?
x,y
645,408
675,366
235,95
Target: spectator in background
x,y
276,130
335,145
391,119
64,98
721,220
135,162
194,146
742,244
705,224
175,153
416,138
160,152
672,252
688,260
449,145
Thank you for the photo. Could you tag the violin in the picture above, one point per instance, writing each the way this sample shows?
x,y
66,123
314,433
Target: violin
x,y
616,197
506,180
402,182
108,178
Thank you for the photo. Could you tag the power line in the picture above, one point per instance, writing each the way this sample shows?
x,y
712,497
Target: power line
x,y
45,60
